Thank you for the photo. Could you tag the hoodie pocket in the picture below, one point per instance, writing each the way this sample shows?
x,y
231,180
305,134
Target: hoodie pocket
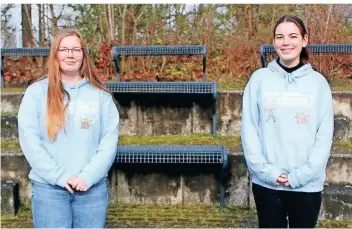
x,y
288,156
299,154
271,153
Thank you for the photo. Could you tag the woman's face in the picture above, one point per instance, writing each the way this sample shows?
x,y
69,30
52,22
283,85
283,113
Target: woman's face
x,y
288,43
70,54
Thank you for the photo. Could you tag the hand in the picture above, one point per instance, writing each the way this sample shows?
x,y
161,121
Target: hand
x,y
282,179
81,186
71,183
287,184
68,188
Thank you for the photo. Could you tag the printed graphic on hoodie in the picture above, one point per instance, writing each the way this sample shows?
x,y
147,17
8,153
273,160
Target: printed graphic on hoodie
x,y
270,110
274,100
302,118
85,113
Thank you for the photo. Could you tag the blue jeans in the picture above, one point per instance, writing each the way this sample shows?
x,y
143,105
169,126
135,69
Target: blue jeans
x,y
53,206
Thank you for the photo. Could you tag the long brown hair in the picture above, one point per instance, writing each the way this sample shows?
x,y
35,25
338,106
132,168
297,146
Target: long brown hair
x,y
56,108
304,56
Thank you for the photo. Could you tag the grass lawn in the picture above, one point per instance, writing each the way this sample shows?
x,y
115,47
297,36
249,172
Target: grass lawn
x,y
170,216
232,143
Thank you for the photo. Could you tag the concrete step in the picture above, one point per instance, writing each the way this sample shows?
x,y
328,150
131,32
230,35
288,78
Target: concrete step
x,y
9,127
9,198
337,202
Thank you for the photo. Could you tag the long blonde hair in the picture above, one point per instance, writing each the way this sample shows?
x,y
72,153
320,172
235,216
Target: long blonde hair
x,y
56,108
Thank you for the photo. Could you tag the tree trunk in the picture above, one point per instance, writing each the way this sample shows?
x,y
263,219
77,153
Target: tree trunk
x,y
135,20
41,24
111,21
327,24
54,28
27,39
256,19
105,23
250,22
122,13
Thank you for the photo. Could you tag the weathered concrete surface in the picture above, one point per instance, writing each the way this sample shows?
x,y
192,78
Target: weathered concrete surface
x,y
343,103
142,184
337,203
183,114
342,127
339,169
238,183
15,167
229,109
9,127
10,102
9,197
177,184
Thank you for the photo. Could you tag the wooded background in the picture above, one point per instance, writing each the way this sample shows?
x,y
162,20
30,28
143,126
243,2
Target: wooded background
x,y
232,34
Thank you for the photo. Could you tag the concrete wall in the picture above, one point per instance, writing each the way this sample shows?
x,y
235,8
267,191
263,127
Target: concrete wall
x,y
182,114
193,184
172,184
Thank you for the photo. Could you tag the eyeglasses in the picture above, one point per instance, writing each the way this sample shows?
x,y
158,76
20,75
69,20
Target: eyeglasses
x,y
77,52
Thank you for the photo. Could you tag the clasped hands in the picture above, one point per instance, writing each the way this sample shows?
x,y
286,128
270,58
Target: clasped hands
x,y
76,183
283,179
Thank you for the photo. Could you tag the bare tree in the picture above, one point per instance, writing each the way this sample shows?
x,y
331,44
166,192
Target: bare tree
x,y
135,18
27,36
7,32
54,29
122,15
327,22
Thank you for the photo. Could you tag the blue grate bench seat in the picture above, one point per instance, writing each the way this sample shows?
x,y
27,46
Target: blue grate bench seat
x,y
190,87
266,50
25,52
163,87
177,154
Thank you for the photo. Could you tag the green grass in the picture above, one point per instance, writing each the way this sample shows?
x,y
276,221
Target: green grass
x,y
231,86
232,143
343,146
338,85
8,114
166,216
12,89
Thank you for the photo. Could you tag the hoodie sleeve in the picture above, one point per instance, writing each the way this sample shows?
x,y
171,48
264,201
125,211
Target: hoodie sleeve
x,y
30,139
101,162
318,158
251,144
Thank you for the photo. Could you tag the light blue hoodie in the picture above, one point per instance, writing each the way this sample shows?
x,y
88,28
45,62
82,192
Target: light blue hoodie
x,y
86,147
287,127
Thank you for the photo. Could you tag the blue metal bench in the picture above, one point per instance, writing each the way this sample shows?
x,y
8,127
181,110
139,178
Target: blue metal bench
x,y
20,52
177,154
266,50
194,87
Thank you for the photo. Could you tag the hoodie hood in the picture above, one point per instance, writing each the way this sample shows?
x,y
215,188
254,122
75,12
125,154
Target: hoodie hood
x,y
290,77
74,91
76,85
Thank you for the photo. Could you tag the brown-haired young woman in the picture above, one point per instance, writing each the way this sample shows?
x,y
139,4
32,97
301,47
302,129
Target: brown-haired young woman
x,y
68,132
286,131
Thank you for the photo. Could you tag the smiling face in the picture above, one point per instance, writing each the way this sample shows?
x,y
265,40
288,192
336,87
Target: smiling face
x,y
70,55
288,42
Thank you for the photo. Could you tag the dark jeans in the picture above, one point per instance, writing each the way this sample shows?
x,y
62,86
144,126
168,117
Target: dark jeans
x,y
279,209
